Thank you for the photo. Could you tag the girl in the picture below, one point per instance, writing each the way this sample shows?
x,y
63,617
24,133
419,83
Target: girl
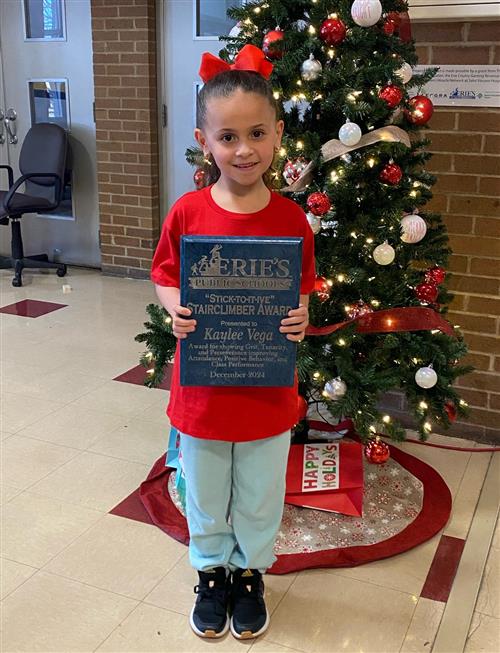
x,y
234,440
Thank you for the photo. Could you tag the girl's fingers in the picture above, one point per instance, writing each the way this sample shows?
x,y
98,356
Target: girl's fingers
x,y
182,310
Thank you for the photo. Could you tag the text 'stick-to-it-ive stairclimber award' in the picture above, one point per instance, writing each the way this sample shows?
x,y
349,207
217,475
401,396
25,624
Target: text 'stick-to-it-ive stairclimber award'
x,y
239,289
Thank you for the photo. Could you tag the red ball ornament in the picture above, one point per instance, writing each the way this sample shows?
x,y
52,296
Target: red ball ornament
x,y
420,111
426,292
451,410
391,174
199,178
301,408
322,289
391,23
332,31
435,275
272,45
377,452
319,203
392,95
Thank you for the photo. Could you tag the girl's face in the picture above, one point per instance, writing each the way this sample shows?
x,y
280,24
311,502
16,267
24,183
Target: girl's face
x,y
241,133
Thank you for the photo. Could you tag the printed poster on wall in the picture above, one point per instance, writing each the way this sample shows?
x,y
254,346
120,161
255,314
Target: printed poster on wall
x,y
463,86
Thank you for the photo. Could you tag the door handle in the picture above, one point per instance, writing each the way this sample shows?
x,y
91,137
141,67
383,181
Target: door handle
x,y
2,135
9,121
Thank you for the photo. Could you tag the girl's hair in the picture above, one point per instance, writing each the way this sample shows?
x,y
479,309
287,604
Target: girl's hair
x,y
223,85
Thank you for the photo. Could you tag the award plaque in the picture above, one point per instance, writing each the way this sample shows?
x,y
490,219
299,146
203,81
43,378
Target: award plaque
x,y
239,289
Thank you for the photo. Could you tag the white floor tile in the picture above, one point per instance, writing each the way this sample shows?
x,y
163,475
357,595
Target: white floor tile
x,y
322,613
36,528
150,629
73,427
25,461
19,411
136,440
138,559
12,575
56,615
93,481
484,635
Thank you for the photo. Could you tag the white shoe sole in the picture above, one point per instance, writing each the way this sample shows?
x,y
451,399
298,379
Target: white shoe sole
x,y
248,634
209,633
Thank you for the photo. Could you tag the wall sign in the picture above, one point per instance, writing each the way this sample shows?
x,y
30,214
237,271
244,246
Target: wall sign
x,y
464,86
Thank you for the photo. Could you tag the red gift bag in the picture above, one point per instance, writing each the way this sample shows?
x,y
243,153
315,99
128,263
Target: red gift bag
x,y
326,476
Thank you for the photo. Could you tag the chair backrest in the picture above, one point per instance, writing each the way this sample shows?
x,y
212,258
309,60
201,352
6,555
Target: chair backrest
x,y
44,150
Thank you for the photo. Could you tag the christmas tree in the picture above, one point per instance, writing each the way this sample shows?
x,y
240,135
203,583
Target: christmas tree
x,y
353,157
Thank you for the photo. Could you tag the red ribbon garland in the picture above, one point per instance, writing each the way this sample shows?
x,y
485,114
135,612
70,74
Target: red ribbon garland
x,y
411,318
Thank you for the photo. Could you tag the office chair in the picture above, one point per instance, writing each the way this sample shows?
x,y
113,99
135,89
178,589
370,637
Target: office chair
x,y
42,162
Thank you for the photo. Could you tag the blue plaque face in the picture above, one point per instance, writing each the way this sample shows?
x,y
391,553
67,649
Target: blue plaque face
x,y
239,289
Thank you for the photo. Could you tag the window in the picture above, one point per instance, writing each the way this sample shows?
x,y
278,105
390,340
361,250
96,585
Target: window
x,y
44,20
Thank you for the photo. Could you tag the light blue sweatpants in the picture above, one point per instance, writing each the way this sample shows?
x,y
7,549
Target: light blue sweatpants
x,y
234,500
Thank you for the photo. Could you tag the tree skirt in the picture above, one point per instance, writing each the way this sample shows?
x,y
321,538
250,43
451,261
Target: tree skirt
x,y
405,503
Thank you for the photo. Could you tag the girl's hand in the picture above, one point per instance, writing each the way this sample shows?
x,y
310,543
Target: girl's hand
x,y
180,325
296,323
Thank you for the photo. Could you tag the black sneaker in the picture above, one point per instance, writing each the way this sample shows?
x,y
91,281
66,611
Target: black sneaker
x,y
209,614
249,613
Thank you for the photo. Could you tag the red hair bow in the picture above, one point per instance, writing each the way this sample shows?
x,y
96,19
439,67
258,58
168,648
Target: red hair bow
x,y
250,57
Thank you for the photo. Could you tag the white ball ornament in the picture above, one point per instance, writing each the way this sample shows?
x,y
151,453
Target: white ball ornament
x,y
384,254
350,133
426,377
413,228
366,13
405,72
235,31
335,388
311,69
314,222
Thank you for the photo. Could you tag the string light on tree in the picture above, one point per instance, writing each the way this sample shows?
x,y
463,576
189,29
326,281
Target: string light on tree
x,y
426,377
366,13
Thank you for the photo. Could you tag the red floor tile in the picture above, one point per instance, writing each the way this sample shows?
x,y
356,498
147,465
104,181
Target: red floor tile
x,y
31,308
442,571
137,375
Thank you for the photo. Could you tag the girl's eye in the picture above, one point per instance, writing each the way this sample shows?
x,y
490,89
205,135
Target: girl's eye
x,y
227,138
258,133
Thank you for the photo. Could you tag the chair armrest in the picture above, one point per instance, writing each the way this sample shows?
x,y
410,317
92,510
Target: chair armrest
x,y
10,173
57,183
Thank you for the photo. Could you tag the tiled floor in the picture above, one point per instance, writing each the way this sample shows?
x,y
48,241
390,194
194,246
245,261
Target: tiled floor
x,y
75,443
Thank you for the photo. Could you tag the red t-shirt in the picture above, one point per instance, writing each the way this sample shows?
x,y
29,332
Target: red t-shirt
x,y
231,413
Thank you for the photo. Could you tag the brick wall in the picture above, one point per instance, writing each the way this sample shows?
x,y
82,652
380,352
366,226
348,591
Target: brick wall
x,y
125,73
466,143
